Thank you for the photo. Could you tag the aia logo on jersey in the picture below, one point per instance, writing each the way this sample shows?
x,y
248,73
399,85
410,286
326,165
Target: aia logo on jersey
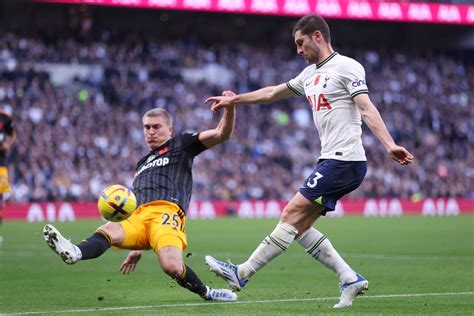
x,y
358,83
319,103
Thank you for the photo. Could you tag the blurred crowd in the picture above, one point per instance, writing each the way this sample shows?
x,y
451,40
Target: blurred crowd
x,y
78,136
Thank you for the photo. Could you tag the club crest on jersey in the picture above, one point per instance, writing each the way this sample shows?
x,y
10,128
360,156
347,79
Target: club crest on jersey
x,y
150,158
325,82
163,151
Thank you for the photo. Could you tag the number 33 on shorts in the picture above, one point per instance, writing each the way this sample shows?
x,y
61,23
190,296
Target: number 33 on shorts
x,y
313,182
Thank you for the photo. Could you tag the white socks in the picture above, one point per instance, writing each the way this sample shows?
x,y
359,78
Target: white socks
x,y
321,249
271,247
315,244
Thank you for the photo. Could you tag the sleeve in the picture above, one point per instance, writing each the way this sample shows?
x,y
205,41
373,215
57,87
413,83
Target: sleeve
x,y
9,127
353,78
297,84
7,123
191,143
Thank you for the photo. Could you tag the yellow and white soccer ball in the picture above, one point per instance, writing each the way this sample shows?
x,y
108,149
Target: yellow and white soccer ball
x,y
117,203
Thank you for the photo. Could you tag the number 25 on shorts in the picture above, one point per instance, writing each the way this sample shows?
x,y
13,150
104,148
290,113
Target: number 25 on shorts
x,y
166,220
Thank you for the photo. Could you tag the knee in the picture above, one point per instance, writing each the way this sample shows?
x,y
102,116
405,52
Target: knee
x,y
290,215
172,268
297,218
114,231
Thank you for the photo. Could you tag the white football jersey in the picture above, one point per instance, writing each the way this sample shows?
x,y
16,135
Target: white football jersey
x,y
329,87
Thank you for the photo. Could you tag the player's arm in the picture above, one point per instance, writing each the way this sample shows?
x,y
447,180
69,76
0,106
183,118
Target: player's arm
x,y
8,142
224,129
130,263
260,96
372,118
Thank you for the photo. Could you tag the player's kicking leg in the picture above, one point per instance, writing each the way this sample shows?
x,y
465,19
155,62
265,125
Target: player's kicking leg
x,y
271,247
227,271
90,248
189,280
69,252
221,295
169,251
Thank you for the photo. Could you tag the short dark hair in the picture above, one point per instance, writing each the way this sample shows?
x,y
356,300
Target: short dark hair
x,y
159,112
311,23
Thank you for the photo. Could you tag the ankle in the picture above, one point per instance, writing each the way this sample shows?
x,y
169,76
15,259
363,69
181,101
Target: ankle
x,y
245,270
348,276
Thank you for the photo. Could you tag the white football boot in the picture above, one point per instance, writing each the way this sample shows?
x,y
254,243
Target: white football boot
x,y
69,252
227,271
349,291
222,295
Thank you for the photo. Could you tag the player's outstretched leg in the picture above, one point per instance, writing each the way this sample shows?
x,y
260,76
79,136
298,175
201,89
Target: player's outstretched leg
x,y
227,271
189,280
223,295
271,247
349,291
69,252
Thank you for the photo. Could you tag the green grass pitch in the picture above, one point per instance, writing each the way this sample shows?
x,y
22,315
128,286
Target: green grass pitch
x,y
415,266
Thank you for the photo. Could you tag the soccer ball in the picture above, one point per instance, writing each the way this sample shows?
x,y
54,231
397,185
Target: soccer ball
x,y
117,203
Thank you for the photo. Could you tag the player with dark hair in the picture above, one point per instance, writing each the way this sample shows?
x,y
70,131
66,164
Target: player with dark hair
x,y
336,89
163,190
7,138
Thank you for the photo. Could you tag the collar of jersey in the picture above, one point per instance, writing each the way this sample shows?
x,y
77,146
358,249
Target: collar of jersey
x,y
324,62
157,150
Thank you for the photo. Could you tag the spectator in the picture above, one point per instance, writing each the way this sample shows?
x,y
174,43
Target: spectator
x,y
80,137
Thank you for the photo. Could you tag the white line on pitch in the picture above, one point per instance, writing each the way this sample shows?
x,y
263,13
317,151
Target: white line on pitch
x,y
364,256
125,308
406,257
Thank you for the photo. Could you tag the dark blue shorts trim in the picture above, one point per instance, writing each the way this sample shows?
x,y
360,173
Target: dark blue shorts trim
x,y
331,180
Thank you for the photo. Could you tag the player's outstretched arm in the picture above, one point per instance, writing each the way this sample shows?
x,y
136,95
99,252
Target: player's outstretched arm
x,y
372,118
224,130
130,263
261,96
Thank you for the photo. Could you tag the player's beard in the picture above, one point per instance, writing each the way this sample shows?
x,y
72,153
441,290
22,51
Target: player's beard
x,y
314,57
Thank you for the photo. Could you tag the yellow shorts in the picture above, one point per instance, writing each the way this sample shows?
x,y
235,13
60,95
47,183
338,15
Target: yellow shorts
x,y
155,225
4,184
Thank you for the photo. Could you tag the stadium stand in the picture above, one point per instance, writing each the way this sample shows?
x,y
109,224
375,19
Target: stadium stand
x,y
77,101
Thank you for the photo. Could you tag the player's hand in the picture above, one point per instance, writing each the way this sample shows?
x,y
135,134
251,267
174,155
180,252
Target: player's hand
x,y
400,155
130,263
219,102
5,146
229,93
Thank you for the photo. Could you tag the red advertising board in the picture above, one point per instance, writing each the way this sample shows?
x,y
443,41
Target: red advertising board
x,y
418,12
71,211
